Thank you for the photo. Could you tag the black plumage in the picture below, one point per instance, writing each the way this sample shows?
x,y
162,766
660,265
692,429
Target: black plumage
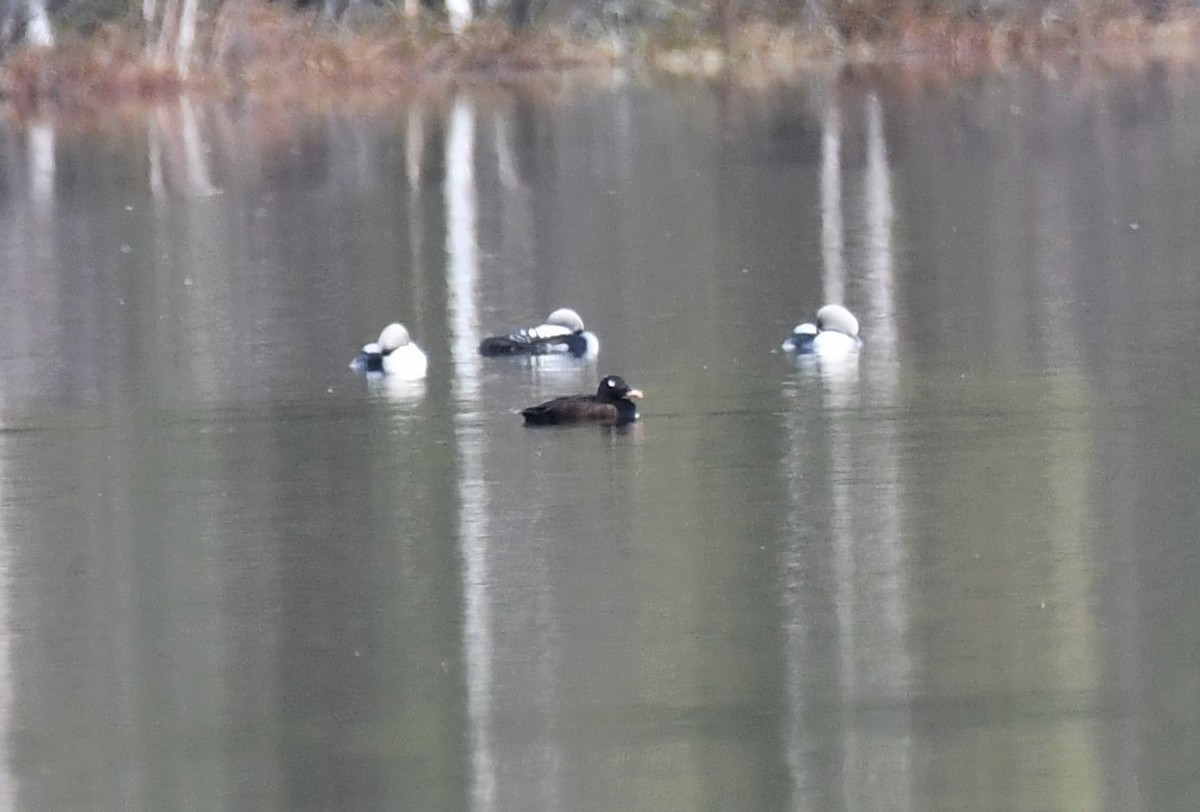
x,y
561,333
611,405
523,342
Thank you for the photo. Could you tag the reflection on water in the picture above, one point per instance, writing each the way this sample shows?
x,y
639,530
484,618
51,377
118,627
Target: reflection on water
x,y
843,473
462,253
7,779
950,575
395,388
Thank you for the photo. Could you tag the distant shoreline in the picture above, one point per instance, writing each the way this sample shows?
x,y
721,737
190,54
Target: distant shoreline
x,y
272,53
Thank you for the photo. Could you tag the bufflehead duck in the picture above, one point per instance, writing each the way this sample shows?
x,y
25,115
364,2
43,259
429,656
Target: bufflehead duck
x,y
611,405
393,354
801,339
835,332
562,332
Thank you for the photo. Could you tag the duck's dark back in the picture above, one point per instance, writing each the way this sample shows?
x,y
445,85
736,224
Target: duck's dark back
x,y
580,409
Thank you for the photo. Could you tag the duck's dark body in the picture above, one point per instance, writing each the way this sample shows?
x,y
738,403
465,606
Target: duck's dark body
x,y
581,409
561,334
611,405
524,342
370,359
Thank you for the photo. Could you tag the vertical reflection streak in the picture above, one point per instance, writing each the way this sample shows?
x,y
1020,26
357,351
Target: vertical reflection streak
x,y
154,150
804,755
42,164
851,606
880,271
797,740
832,228
883,665
836,393
462,255
8,790
195,150
414,158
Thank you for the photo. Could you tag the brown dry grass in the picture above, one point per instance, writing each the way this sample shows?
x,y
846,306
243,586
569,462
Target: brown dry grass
x,y
270,52
279,55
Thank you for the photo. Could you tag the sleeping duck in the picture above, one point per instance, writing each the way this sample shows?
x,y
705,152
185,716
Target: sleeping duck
x,y
562,332
835,333
393,354
611,405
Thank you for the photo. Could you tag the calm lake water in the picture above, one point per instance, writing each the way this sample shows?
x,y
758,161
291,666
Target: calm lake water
x,y
959,576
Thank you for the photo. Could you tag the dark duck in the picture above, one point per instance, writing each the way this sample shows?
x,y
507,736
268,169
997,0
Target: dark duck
x,y
561,333
611,405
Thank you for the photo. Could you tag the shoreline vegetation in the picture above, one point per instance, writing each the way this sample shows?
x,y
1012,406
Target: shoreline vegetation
x,y
275,52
